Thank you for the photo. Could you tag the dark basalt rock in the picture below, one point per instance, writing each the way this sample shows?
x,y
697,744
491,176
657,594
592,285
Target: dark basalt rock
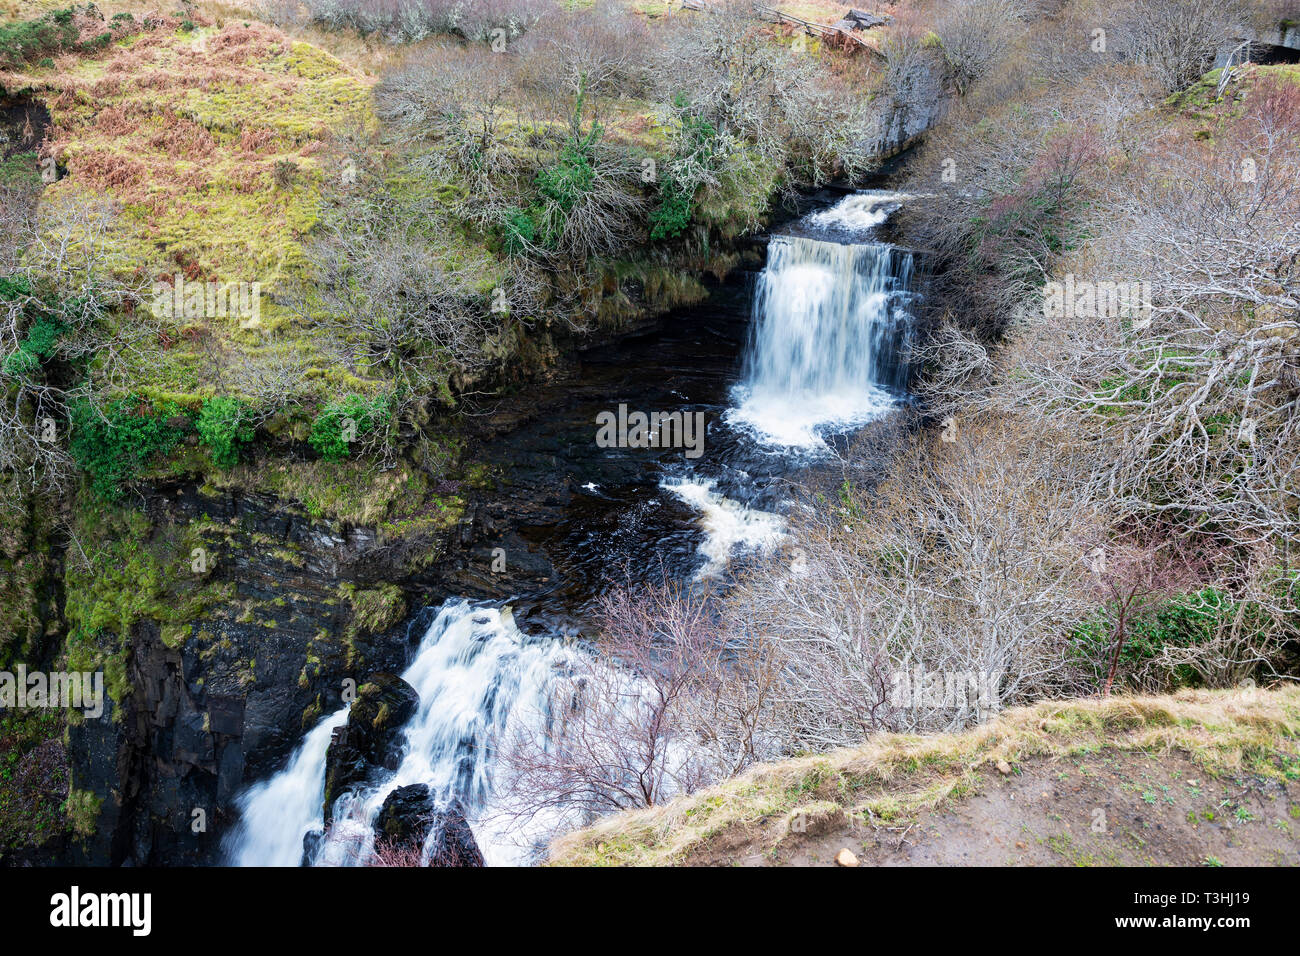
x,y
312,841
453,841
371,739
407,816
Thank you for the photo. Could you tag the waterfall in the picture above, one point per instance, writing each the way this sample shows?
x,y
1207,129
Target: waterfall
x,y
478,676
827,343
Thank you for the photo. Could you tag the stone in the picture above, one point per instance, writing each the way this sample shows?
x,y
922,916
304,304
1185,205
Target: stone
x,y
1004,768
453,841
371,740
846,857
407,816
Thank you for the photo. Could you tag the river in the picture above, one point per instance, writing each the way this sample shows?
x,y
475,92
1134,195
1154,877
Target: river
x,y
781,369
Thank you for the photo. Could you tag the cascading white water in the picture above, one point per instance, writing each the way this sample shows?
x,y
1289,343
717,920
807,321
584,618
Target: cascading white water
x,y
828,334
828,339
729,527
478,676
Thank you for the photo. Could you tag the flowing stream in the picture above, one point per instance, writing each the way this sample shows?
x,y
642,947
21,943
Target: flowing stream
x,y
817,351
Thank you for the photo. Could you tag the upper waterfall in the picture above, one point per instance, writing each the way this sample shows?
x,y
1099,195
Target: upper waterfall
x,y
829,340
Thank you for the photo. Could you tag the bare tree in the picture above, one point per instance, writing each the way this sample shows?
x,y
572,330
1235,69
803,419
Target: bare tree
x,y
779,100
616,735
602,48
967,563
389,297
976,34
1178,39
64,304
454,108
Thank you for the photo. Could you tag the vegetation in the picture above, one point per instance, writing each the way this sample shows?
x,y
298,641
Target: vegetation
x,y
891,777
33,777
114,445
274,255
25,41
225,425
341,423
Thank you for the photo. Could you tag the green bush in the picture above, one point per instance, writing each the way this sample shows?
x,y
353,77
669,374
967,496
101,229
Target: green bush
x,y
565,182
352,417
1182,621
21,43
697,148
520,230
112,447
224,425
38,344
673,214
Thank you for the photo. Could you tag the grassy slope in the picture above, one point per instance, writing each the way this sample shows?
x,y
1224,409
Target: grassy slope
x,y
895,776
209,141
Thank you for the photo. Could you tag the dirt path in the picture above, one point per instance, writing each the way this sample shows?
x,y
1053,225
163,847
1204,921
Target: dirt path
x,y
1112,808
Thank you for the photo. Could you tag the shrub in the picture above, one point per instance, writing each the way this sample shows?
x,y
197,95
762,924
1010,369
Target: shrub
x,y
224,425
673,214
694,163
563,184
38,345
33,776
1184,622
26,41
114,445
82,808
342,422
520,230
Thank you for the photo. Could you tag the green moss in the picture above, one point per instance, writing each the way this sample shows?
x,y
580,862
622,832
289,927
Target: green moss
x,y
175,635
193,168
136,572
82,809
373,610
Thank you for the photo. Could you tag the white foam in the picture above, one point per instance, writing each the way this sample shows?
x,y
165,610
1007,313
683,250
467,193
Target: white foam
x,y
729,527
478,677
826,343
860,212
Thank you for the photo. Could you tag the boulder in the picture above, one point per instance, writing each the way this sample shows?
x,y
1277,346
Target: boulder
x,y
410,814
453,840
864,20
371,740
312,841
407,816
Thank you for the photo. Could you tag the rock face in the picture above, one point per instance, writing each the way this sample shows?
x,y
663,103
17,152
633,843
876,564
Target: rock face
x,y
371,740
228,702
223,701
